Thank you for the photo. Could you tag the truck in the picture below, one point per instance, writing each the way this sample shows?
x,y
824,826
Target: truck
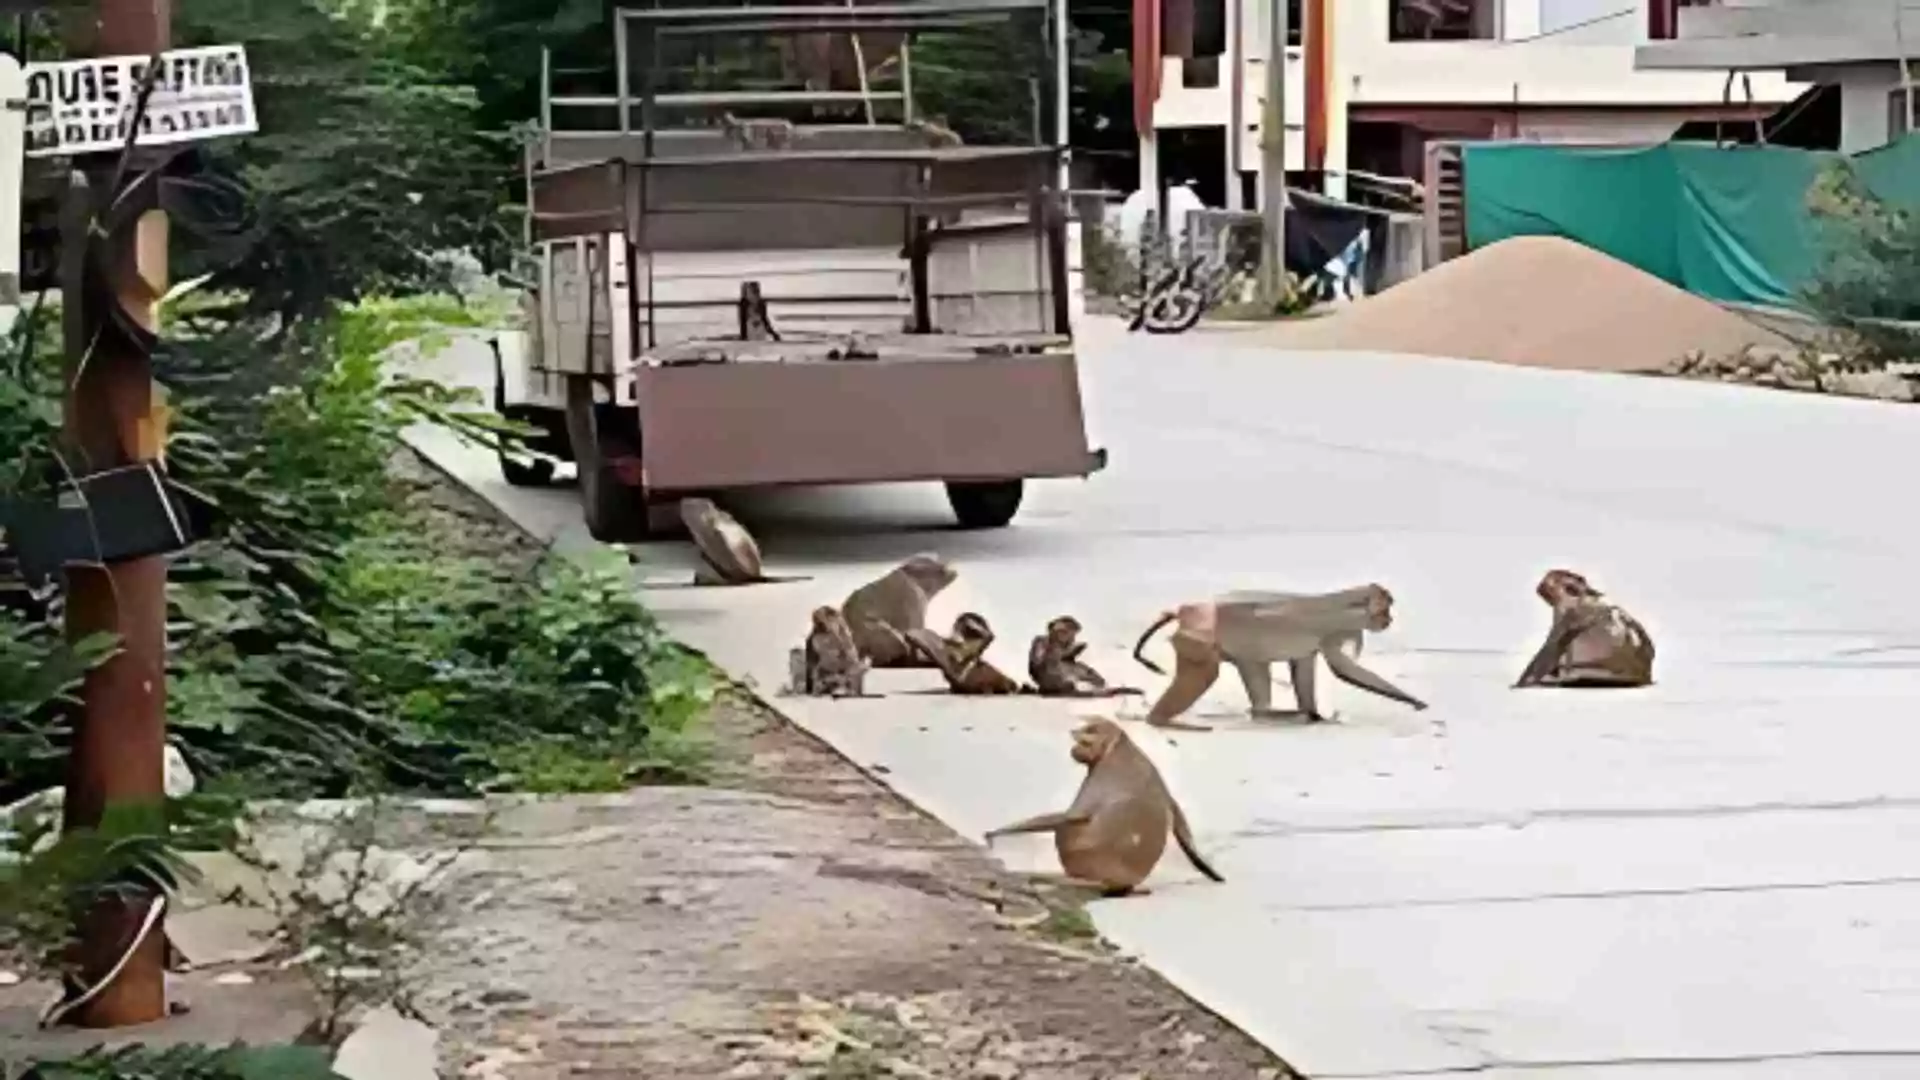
x,y
724,303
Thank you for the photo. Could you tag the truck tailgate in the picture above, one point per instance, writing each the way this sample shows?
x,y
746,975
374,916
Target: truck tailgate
x,y
749,424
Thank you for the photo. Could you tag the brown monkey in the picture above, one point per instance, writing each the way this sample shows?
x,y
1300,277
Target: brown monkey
x,y
938,135
755,323
1115,831
962,660
829,665
758,133
1592,642
1054,664
1252,630
882,612
728,553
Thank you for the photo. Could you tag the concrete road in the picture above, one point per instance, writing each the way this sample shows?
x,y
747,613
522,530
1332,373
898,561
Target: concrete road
x,y
1718,877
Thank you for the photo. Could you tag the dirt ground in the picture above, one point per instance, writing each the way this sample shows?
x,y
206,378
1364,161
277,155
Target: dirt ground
x,y
794,920
798,922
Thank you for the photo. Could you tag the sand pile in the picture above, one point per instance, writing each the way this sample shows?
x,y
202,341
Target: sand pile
x,y
1535,300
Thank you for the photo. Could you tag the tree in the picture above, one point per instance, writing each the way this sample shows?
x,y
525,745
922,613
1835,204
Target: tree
x,y
1868,279
368,165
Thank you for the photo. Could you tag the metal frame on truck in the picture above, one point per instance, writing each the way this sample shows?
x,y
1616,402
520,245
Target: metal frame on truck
x,y
919,289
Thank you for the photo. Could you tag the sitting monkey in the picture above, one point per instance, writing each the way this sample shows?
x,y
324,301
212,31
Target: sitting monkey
x,y
1591,643
962,660
1114,832
1054,664
882,612
828,664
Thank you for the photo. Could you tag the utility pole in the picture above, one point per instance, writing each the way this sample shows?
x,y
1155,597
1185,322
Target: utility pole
x,y
1273,159
119,731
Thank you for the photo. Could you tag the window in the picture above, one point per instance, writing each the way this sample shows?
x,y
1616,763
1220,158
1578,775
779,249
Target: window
x,y
1200,72
1663,17
1899,113
1443,20
1193,28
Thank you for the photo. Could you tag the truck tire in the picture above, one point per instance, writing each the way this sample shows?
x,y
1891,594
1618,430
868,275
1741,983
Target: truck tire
x,y
614,512
987,504
521,473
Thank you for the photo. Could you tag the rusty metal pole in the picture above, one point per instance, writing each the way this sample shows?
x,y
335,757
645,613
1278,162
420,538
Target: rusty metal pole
x,y
119,738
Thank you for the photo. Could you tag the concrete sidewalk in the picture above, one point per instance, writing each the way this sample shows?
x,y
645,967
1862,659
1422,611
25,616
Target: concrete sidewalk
x,y
1714,878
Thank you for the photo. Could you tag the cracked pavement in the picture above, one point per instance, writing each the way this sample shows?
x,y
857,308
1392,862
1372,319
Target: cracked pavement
x,y
1712,878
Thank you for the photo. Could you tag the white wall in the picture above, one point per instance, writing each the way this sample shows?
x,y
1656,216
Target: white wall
x,y
1595,68
1591,65
1864,121
1557,16
1180,107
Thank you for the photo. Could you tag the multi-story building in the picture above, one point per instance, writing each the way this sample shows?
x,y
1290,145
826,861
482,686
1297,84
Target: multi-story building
x,y
1370,82
1857,46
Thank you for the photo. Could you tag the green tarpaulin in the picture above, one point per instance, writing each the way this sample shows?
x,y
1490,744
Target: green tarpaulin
x,y
1730,223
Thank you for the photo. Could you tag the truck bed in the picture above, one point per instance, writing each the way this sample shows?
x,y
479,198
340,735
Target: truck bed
x,y
731,414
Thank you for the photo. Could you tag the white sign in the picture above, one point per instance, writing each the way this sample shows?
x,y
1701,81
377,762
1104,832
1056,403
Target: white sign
x,y
85,106
13,87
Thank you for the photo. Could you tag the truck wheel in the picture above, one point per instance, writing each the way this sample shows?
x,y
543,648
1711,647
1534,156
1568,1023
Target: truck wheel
x,y
521,473
985,504
614,512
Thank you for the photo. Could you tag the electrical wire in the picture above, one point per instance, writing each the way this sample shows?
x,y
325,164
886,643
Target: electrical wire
x,y
1570,27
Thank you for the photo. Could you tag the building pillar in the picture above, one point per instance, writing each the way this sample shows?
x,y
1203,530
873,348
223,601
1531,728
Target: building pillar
x,y
1150,165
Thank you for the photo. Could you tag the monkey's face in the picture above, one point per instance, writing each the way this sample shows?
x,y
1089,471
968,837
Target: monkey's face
x,y
1093,739
1560,586
1063,630
828,619
1379,609
971,627
930,572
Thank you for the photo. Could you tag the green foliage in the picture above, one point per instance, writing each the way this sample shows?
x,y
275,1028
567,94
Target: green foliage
x,y
38,674
554,682
316,642
236,1062
366,166
1868,280
29,399
44,892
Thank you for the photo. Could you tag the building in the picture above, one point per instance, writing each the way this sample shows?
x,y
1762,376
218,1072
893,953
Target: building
x,y
1370,82
1857,46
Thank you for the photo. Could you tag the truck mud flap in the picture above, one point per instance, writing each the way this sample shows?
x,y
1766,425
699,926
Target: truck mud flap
x,y
753,424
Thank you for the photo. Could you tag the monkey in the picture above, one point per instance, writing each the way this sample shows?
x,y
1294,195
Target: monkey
x,y
938,135
828,664
1592,643
1115,831
882,612
1253,629
728,553
755,323
961,657
1054,664
758,133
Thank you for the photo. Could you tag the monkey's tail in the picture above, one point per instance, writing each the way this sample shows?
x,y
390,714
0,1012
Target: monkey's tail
x,y
1138,646
1184,836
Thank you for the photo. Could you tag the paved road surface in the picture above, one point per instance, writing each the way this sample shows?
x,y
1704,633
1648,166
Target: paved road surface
x,y
1715,878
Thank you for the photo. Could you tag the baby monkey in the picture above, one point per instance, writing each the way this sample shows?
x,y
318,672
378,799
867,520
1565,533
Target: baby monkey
x,y
1054,664
1591,643
758,132
756,324
961,657
829,664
